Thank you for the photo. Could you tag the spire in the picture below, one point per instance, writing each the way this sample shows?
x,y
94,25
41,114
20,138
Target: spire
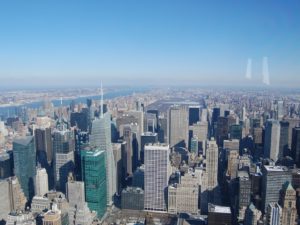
x,y
101,103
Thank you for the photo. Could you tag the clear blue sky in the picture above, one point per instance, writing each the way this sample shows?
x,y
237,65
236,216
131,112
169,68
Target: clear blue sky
x,y
147,41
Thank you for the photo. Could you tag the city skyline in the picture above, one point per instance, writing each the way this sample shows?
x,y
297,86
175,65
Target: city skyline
x,y
133,43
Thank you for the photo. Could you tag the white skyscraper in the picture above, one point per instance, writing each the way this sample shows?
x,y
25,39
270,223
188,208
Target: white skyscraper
x,y
79,213
41,182
101,138
272,138
212,169
274,213
157,171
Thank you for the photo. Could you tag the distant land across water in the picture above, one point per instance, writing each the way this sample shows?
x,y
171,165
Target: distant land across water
x,y
6,111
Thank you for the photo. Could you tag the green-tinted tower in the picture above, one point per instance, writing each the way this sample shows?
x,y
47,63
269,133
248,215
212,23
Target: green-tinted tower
x,y
25,163
94,177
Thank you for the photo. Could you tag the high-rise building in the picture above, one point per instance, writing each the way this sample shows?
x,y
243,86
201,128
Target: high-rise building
x,y
288,204
63,147
101,138
41,182
43,143
178,126
284,138
296,145
273,214
157,171
212,155
132,198
80,120
293,122
117,151
244,192
94,176
78,213
235,131
219,215
222,130
194,114
273,179
12,197
184,197
252,215
6,165
272,137
44,151
147,138
25,163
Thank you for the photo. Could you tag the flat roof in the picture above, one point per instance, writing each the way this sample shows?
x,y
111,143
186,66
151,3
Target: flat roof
x,y
221,209
276,168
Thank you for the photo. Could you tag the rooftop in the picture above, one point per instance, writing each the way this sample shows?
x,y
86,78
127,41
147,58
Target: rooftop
x,y
275,168
219,209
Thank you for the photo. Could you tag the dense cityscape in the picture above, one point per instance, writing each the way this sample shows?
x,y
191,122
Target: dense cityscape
x,y
138,112
162,156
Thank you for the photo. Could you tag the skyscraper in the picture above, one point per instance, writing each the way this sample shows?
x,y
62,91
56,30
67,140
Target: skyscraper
x,y
63,147
272,137
212,169
178,126
273,179
194,114
44,145
296,145
12,197
288,204
157,171
101,138
41,182
94,176
219,215
25,163
252,215
284,138
79,213
273,214
147,138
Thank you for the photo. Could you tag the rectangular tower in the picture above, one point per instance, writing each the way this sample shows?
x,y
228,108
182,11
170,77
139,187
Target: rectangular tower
x,y
157,171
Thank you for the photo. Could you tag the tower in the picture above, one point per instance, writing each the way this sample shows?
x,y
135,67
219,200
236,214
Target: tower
x,y
296,145
178,126
94,176
101,138
212,169
25,163
157,171
63,147
273,179
272,137
288,204
284,138
41,182
273,214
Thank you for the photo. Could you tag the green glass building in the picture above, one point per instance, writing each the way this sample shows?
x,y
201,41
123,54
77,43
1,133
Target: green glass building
x,y
25,163
94,177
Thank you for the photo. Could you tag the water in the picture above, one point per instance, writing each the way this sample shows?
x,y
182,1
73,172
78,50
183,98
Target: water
x,y
9,111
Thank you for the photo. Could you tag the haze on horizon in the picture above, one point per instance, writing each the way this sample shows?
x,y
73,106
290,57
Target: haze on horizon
x,y
79,43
